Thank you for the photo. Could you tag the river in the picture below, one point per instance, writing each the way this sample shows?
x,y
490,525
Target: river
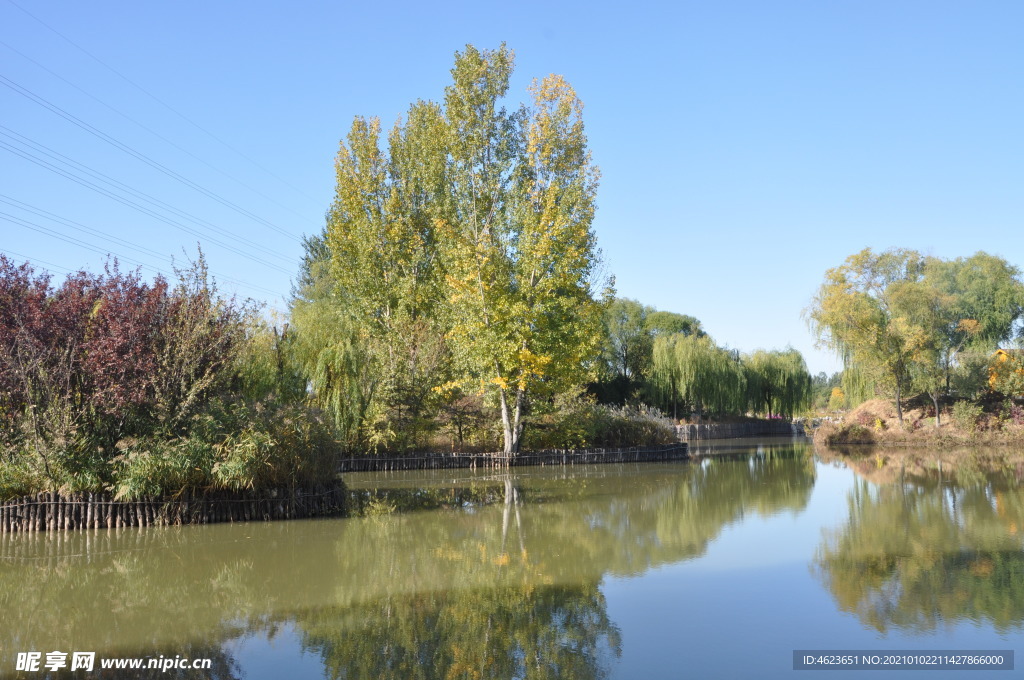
x,y
716,568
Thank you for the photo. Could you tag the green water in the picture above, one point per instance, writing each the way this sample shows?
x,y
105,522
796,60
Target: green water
x,y
719,568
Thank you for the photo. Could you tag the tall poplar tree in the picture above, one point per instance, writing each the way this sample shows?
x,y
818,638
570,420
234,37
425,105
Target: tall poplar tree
x,y
463,255
384,270
518,241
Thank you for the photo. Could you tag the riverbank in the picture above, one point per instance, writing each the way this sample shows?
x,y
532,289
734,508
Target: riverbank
x,y
852,434
874,423
53,511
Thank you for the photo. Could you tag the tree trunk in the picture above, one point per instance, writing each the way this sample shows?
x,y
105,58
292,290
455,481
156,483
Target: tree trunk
x,y
899,407
935,400
512,422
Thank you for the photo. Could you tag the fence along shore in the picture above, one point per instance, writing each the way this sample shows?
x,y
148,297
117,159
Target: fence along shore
x,y
52,511
442,461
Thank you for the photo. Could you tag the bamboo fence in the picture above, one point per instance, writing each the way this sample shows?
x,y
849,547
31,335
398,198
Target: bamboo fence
x,y
438,461
52,511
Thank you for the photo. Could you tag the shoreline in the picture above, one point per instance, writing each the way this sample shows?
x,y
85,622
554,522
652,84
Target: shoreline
x,y
861,436
50,511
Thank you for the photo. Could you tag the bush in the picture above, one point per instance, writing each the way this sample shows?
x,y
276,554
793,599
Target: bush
x,y
966,415
109,383
577,422
837,435
16,480
237,446
1013,412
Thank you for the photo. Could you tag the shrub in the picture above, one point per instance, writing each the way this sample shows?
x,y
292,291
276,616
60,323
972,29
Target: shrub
x,y
235,446
1013,412
966,415
111,383
576,421
837,400
16,480
837,435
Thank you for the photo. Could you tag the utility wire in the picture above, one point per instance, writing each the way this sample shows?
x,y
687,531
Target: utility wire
x,y
70,239
132,204
159,101
99,134
107,179
77,226
152,131
7,217
31,259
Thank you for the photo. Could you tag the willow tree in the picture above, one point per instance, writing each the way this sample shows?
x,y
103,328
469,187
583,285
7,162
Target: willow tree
x,y
328,349
777,381
903,319
516,238
857,313
692,371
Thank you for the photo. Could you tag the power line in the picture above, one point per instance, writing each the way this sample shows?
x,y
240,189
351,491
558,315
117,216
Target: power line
x,y
99,134
160,101
151,131
31,259
107,179
7,217
109,237
77,226
132,204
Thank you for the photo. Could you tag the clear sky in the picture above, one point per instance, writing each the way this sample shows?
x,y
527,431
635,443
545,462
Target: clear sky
x,y
745,147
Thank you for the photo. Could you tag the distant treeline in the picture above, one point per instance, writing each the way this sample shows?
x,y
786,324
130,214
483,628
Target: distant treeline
x,y
666,360
908,324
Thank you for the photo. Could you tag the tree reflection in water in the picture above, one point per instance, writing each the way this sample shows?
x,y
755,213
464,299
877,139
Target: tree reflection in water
x,y
534,632
475,587
929,549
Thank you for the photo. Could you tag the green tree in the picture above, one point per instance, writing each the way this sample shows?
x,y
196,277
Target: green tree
x,y
693,372
625,352
823,389
905,319
667,323
630,329
628,342
517,240
777,382
385,282
857,312
929,322
462,258
985,288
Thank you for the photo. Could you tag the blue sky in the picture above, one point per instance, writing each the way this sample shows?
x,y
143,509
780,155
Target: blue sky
x,y
745,147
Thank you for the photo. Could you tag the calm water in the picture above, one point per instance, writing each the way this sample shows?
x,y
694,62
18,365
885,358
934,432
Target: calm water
x,y
714,569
